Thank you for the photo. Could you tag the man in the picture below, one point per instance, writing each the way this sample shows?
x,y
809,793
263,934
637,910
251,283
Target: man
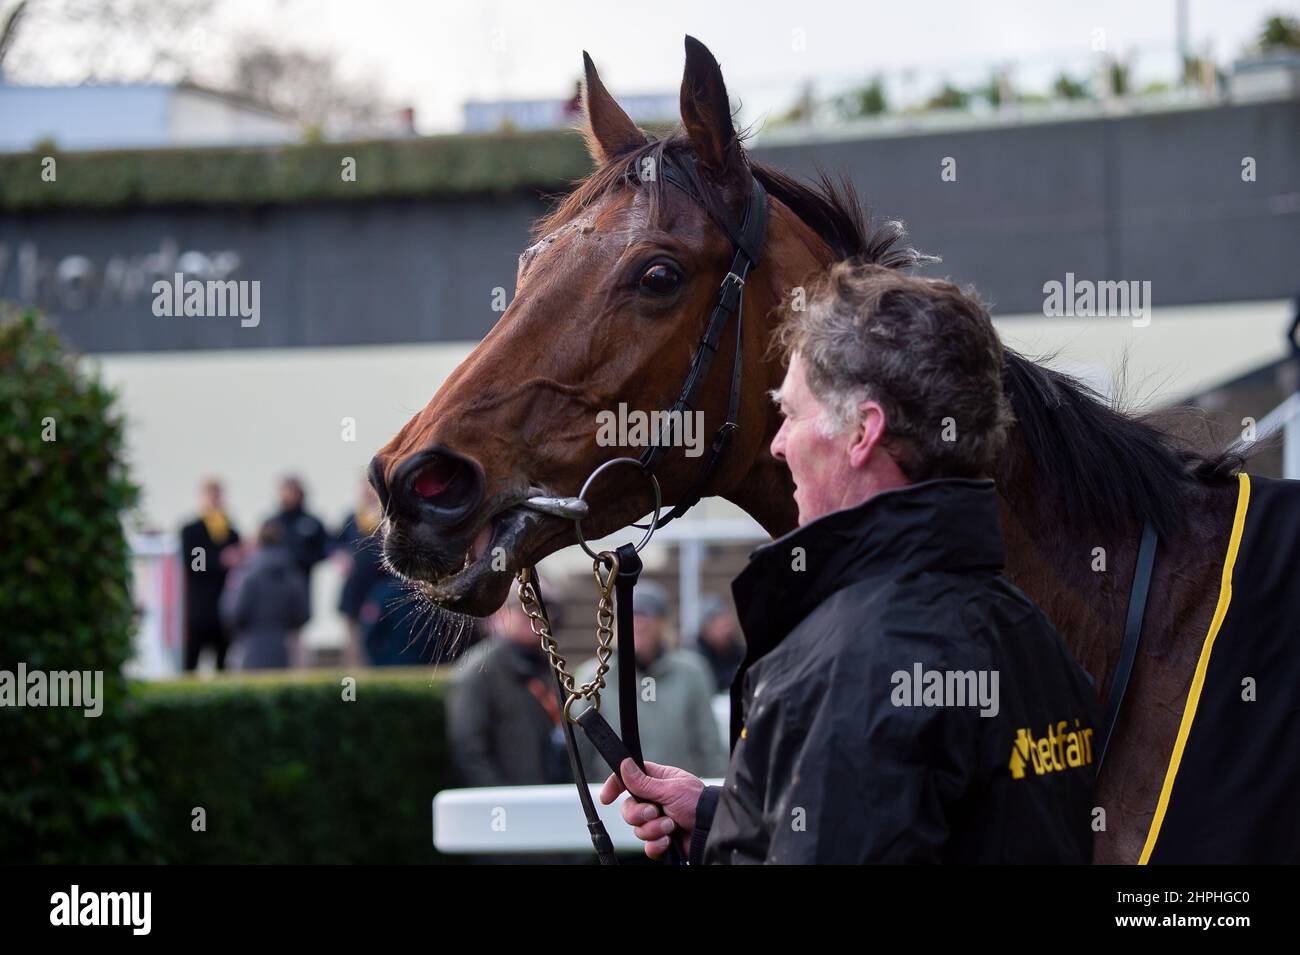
x,y
675,691
265,605
503,715
901,700
503,718
209,548
302,533
720,641
360,554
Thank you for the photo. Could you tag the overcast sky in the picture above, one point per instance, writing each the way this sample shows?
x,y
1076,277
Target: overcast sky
x,y
435,54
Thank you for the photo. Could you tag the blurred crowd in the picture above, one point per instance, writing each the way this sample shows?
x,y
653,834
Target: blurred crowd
x,y
247,600
504,715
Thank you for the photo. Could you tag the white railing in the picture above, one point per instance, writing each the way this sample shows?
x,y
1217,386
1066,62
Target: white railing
x,y
1285,417
156,591
520,819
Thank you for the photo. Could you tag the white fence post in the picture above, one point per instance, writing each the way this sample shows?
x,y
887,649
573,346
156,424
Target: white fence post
x,y
1285,417
690,563
1291,445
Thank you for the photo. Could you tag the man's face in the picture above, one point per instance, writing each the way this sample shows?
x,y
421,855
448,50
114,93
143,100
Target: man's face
x,y
720,630
513,624
212,497
647,636
820,465
290,495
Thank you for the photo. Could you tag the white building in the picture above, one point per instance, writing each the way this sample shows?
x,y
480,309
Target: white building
x,y
134,116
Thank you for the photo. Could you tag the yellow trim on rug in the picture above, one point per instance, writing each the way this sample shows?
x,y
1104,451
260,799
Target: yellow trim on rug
x,y
1202,665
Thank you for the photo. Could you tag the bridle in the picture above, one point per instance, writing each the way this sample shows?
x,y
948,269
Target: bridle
x,y
616,572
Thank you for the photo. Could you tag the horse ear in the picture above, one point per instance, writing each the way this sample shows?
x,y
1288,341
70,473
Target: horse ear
x,y
609,131
706,113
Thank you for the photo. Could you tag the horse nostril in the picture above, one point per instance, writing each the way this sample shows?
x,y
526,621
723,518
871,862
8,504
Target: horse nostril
x,y
437,485
435,478
376,475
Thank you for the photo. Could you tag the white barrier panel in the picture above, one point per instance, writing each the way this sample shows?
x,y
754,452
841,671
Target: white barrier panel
x,y
513,819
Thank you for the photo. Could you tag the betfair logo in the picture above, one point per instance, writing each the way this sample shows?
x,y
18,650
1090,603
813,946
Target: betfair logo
x,y
1062,748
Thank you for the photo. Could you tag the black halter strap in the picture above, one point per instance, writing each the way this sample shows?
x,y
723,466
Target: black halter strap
x,y
1137,605
600,839
748,240
616,747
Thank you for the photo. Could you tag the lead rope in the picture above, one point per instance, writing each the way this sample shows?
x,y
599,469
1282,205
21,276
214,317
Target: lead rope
x,y
622,571
629,570
530,592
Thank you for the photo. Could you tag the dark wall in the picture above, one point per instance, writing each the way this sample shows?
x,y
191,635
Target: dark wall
x,y
330,274
1154,198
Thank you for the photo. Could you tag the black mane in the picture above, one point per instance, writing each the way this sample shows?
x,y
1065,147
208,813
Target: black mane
x,y
835,213
1108,470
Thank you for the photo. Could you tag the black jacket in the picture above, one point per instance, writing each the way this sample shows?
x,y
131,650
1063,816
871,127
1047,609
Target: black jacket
x,y
203,587
366,569
306,538
499,731
834,761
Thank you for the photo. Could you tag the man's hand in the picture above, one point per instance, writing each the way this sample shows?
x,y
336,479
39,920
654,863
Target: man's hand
x,y
676,790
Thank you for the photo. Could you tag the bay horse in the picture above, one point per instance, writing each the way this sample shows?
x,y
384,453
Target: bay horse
x,y
608,307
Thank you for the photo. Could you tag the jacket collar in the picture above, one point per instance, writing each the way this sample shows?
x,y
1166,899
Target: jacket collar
x,y
947,524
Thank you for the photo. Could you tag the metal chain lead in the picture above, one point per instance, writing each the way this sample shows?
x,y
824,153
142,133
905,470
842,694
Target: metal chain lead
x,y
590,690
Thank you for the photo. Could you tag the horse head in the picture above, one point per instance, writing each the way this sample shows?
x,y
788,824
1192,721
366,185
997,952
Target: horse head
x,y
610,302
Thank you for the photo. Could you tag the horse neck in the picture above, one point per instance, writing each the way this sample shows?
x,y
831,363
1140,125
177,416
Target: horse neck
x,y
1054,564
1060,568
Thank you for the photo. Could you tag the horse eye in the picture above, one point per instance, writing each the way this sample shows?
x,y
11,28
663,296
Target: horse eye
x,y
660,279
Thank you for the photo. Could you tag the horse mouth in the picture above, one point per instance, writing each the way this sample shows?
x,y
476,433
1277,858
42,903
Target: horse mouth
x,y
476,583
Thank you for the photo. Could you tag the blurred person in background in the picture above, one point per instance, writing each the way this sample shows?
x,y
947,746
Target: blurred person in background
x,y
301,532
720,641
396,632
266,604
503,712
361,557
674,687
209,548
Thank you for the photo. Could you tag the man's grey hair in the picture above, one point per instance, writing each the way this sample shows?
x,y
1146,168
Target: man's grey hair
x,y
923,349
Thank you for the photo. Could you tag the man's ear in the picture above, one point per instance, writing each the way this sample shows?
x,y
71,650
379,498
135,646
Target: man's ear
x,y
609,131
868,434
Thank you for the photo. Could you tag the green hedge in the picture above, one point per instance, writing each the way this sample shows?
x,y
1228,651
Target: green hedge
x,y
464,165
288,772
68,785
